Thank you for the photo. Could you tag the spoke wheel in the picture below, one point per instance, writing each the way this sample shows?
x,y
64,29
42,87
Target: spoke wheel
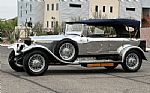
x,y
67,51
132,61
35,63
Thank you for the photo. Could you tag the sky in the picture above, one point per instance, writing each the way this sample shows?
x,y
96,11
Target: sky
x,y
8,9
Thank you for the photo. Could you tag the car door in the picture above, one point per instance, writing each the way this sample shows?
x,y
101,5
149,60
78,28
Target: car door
x,y
96,46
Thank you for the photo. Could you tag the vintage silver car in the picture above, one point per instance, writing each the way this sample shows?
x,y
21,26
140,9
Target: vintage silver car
x,y
89,43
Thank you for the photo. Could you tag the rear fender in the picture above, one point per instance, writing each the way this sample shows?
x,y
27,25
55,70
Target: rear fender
x,y
124,49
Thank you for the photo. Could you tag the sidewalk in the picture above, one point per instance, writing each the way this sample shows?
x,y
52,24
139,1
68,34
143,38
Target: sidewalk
x,y
147,49
4,45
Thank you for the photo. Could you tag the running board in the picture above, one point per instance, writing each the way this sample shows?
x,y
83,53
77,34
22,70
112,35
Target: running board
x,y
95,61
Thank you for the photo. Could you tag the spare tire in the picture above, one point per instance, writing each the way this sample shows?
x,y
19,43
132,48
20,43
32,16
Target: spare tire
x,y
67,50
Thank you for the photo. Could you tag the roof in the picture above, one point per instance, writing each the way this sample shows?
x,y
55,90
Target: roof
x,y
109,22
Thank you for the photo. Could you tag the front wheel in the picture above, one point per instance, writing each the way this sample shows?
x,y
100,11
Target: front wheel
x,y
14,63
132,61
35,63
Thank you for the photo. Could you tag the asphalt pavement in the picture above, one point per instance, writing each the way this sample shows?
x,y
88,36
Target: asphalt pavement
x,y
74,79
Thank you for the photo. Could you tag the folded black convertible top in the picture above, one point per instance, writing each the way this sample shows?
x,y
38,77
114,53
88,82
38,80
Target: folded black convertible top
x,y
109,22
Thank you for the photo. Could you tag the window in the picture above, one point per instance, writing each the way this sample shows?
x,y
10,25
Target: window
x,y
104,9
21,13
111,9
101,31
26,5
30,8
47,24
96,8
30,19
75,5
47,7
26,11
57,6
52,24
52,7
130,9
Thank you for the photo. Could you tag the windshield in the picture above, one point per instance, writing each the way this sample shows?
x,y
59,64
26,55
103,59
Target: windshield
x,y
74,27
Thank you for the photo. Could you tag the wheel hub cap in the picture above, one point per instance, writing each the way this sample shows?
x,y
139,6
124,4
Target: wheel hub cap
x,y
132,60
67,51
36,63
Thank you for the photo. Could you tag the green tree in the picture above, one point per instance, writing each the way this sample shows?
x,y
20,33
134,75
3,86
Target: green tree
x,y
38,29
57,29
7,28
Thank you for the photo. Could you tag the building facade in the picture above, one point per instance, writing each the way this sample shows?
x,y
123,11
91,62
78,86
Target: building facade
x,y
131,9
103,9
58,11
30,11
146,7
115,9
50,12
145,13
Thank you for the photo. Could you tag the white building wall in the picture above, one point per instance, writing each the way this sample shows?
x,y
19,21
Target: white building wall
x,y
131,9
30,11
145,3
70,10
146,8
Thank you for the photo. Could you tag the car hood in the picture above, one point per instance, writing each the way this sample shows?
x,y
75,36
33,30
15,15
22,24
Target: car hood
x,y
52,37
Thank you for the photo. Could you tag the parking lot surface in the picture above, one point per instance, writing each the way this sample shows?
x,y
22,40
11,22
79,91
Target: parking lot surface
x,y
74,79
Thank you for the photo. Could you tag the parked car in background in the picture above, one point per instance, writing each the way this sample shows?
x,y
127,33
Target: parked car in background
x,y
89,43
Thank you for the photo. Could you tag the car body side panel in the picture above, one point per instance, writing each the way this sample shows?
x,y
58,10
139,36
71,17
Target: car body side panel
x,y
97,46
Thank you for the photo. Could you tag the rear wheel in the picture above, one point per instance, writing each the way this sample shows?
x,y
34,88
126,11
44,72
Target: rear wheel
x,y
132,61
14,63
35,63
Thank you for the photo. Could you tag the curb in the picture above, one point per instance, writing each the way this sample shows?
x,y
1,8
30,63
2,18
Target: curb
x,y
147,49
4,45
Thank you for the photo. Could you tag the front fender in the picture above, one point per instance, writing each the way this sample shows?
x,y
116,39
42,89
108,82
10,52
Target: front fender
x,y
16,47
124,49
35,46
